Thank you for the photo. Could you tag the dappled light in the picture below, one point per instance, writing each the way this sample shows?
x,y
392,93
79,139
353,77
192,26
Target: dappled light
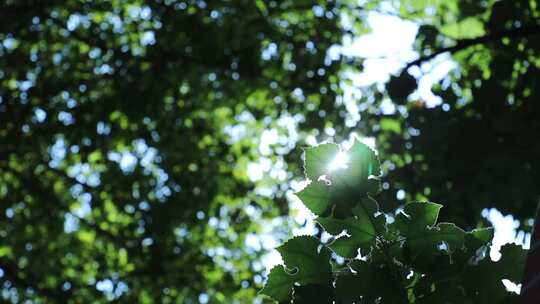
x,y
190,151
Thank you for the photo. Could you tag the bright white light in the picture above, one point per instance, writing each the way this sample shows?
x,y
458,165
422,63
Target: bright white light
x,y
339,162
511,286
505,231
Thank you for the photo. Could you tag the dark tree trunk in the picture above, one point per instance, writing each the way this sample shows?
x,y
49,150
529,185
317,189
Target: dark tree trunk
x,y
530,287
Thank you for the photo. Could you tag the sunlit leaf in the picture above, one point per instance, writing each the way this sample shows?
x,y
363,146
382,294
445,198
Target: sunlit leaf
x,y
318,159
316,197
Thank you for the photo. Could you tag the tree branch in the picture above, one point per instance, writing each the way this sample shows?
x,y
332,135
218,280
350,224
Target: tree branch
x,y
465,43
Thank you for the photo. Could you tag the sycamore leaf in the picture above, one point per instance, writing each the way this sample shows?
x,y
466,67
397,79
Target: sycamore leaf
x,y
476,243
344,187
510,266
359,236
417,225
484,280
315,197
310,258
306,262
449,291
279,284
363,160
362,229
477,238
350,287
318,158
424,241
425,246
361,175
313,293
417,216
371,283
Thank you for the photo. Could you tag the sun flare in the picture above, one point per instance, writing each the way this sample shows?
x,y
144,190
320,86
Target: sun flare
x,y
339,162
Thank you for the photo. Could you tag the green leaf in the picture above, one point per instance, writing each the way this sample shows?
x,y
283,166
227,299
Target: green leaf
x,y
429,292
369,282
416,224
313,293
362,229
366,211
476,243
363,161
424,242
279,284
350,287
360,177
512,262
478,237
306,262
425,245
484,280
315,197
347,185
347,246
317,160
417,216
309,257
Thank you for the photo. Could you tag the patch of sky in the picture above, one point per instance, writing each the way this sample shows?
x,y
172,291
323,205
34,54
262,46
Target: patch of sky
x,y
25,85
71,223
66,118
94,53
73,22
57,153
148,38
140,12
506,231
10,43
112,288
128,161
269,51
103,69
144,206
239,130
103,128
71,220
39,115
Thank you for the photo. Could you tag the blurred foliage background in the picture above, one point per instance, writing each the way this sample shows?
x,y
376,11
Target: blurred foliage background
x,y
146,146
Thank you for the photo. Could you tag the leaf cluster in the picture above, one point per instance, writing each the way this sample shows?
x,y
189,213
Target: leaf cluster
x,y
405,256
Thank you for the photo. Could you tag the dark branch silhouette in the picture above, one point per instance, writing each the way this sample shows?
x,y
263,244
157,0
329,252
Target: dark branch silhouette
x,y
465,43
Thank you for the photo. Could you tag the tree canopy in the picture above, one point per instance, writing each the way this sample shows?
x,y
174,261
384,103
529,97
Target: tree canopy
x,y
126,131
143,144
477,148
